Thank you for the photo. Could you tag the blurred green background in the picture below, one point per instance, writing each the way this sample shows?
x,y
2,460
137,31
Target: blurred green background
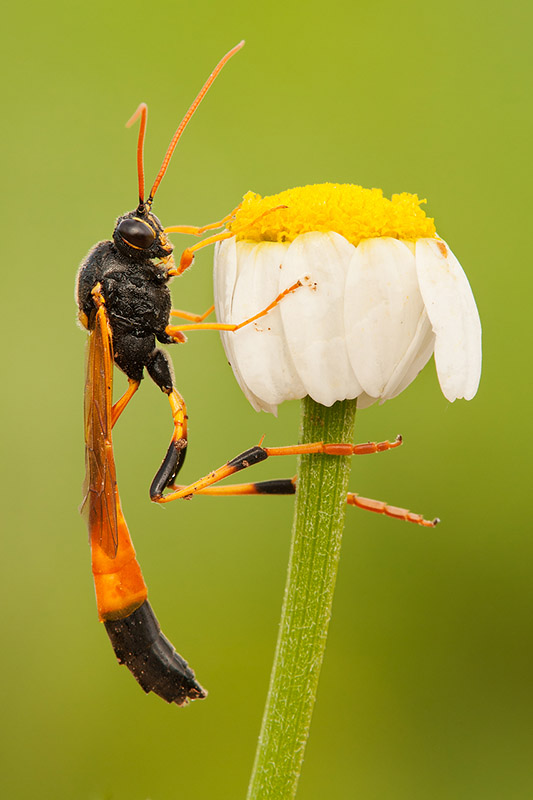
x,y
426,690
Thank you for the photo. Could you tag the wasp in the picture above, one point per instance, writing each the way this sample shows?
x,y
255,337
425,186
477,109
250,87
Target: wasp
x,y
124,302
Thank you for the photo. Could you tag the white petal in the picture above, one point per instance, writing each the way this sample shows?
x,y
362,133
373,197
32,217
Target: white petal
x,y
225,277
365,401
383,308
313,315
454,317
418,354
260,348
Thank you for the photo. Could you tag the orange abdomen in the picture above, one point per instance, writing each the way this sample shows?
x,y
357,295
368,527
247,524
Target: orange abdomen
x,y
118,582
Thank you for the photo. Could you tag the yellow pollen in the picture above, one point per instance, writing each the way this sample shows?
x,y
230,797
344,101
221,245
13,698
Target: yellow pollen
x,y
352,211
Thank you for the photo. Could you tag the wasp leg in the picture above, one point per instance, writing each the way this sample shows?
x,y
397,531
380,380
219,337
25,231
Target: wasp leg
x,y
160,370
187,257
281,486
121,404
286,486
378,507
196,230
176,312
256,454
177,449
175,330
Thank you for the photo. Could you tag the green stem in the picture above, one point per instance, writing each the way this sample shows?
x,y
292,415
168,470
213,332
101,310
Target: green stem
x,y
314,557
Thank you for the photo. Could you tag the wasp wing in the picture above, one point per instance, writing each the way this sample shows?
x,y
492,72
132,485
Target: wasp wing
x,y
100,488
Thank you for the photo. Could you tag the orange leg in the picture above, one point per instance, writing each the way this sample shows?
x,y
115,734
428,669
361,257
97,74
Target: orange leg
x,y
258,453
176,330
121,404
179,415
195,230
176,312
333,449
378,507
187,257
288,486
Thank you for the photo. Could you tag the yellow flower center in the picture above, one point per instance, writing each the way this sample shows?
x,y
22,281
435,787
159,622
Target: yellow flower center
x,y
352,211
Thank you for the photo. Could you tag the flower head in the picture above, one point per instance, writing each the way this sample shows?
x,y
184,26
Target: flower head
x,y
381,294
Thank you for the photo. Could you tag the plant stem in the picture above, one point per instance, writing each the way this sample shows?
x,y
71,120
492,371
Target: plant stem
x,y
314,557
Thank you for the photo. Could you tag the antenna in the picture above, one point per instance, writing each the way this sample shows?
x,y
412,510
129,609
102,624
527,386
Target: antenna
x,y
181,127
142,112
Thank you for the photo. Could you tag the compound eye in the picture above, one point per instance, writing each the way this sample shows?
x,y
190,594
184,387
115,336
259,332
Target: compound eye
x,y
136,233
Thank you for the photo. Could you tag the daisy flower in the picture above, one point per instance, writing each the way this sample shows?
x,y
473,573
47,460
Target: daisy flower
x,y
381,294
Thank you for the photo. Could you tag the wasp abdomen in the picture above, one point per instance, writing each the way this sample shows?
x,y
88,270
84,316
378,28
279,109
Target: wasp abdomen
x,y
139,645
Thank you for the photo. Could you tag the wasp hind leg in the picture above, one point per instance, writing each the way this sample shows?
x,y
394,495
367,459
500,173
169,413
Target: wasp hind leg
x,y
258,453
287,486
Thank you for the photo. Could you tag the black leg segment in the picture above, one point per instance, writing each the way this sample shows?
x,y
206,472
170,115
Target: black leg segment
x,y
172,463
279,486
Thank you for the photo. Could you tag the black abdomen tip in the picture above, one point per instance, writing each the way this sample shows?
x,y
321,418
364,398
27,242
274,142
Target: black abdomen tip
x,y
150,657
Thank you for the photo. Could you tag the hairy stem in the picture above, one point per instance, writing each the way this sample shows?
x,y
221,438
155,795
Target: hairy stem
x,y
314,557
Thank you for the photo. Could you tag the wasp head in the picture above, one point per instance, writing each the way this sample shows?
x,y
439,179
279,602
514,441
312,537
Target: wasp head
x,y
140,235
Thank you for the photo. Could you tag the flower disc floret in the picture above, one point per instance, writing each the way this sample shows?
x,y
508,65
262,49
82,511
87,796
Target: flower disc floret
x,y
352,211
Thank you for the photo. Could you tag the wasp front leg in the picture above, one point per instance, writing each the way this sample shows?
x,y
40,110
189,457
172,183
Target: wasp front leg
x,y
187,256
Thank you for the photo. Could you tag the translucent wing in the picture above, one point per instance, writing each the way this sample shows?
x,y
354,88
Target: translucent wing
x,y
100,488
